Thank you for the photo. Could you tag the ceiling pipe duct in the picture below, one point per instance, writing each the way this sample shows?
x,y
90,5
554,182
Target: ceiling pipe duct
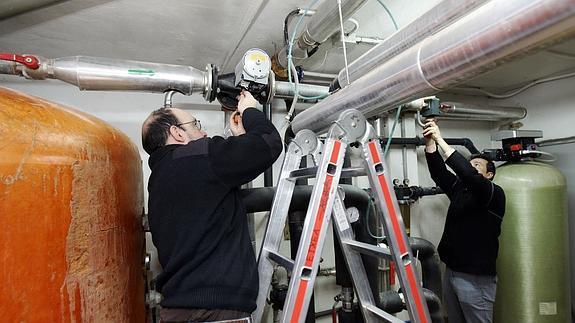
x,y
492,35
437,18
323,24
9,8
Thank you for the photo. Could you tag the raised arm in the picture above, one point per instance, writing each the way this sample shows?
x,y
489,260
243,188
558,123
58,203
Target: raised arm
x,y
439,173
462,168
240,159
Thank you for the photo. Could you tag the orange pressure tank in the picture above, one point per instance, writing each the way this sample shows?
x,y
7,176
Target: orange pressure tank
x,y
71,203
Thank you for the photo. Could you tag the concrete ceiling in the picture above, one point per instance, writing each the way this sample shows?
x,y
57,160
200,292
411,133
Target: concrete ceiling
x,y
198,32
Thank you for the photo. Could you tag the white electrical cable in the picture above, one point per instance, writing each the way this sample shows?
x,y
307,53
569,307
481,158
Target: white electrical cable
x,y
550,157
343,41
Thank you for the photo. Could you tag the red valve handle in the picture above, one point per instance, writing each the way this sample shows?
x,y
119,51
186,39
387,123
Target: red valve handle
x,y
29,61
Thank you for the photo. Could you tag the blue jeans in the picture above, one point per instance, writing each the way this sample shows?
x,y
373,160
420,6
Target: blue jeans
x,y
469,298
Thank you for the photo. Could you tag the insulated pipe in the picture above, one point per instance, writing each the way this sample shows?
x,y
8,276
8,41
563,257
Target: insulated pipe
x,y
285,90
437,18
425,252
10,68
268,173
323,24
260,199
392,302
493,34
106,74
433,305
9,8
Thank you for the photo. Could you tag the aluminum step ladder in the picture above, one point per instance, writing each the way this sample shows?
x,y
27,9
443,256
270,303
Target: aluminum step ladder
x,y
327,202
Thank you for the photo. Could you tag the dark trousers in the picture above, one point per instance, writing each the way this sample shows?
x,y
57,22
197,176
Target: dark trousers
x,y
185,315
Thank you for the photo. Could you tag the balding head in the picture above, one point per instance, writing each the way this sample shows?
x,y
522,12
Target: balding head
x,y
156,129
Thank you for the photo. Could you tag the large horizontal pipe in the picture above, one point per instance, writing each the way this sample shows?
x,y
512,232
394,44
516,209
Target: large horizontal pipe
x,y
9,8
106,74
462,109
493,34
323,24
428,24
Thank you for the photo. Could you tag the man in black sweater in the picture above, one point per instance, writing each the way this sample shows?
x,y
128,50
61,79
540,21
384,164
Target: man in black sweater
x,y
469,244
196,216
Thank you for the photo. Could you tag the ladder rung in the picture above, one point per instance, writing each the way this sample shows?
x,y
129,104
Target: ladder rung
x,y
368,249
285,262
310,172
382,314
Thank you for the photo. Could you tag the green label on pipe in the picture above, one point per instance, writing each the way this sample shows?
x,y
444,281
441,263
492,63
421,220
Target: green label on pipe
x,y
141,72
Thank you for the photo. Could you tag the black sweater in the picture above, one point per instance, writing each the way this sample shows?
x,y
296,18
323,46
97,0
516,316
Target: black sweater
x,y
198,221
470,238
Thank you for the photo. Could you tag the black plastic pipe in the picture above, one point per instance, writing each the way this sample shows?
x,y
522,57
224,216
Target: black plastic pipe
x,y
260,199
268,173
391,302
430,270
433,305
419,141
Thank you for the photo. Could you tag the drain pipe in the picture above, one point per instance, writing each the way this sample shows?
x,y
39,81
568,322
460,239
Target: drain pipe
x,y
493,34
393,302
437,18
429,259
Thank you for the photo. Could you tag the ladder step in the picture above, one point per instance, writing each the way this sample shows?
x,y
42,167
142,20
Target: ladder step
x,y
310,172
368,249
382,314
285,262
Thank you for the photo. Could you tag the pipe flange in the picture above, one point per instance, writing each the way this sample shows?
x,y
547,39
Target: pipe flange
x,y
210,88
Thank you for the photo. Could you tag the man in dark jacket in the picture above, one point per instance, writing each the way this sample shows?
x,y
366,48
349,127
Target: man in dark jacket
x,y
196,216
469,244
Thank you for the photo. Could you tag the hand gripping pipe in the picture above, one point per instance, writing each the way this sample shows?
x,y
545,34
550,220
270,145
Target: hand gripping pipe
x,y
493,34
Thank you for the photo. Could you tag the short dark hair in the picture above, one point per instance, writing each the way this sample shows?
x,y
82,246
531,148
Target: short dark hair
x,y
490,163
157,128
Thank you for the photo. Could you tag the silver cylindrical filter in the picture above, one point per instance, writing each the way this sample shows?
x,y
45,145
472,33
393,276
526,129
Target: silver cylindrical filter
x,y
106,74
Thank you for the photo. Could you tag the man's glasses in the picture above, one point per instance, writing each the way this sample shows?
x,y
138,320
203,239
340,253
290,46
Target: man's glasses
x,y
195,123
